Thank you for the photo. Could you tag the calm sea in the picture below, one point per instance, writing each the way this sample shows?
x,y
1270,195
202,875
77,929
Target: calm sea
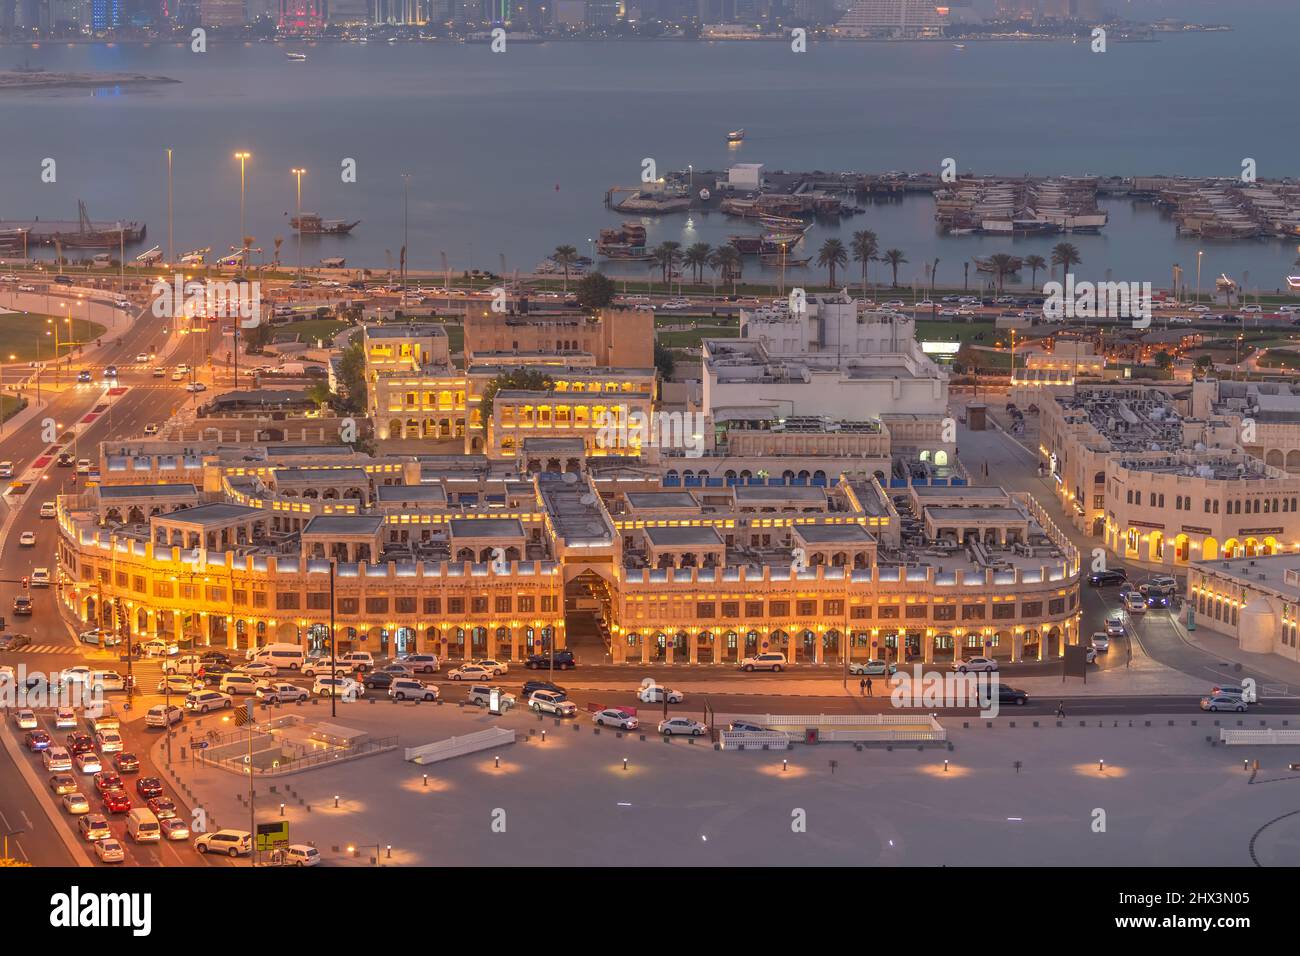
x,y
510,154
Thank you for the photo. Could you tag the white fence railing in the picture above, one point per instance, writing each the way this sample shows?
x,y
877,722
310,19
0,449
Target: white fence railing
x,y
784,729
1269,736
755,739
460,746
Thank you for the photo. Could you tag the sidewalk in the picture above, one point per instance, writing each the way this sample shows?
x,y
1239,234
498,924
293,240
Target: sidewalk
x,y
1225,648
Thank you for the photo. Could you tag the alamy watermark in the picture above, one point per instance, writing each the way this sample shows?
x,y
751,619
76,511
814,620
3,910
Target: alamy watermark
x,y
208,298
1098,300
932,690
624,430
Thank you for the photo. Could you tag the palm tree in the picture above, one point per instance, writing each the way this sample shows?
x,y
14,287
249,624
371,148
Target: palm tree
x,y
1064,254
728,261
697,257
1035,263
668,254
1003,265
832,254
865,249
895,258
565,256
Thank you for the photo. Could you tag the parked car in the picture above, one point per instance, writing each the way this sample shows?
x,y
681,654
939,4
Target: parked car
x,y
654,694
535,685
280,692
681,725
344,688
470,672
408,688
764,662
378,680
872,668
549,702
178,684
480,695
422,663
614,717
496,667
564,660
229,842
985,665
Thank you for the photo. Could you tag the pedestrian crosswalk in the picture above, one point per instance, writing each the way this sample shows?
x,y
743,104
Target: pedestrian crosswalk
x,y
47,649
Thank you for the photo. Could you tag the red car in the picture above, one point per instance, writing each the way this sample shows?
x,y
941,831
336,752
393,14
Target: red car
x,y
106,780
80,743
149,787
125,762
117,801
37,740
164,808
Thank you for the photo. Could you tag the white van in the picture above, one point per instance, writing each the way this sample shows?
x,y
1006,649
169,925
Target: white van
x,y
278,655
142,826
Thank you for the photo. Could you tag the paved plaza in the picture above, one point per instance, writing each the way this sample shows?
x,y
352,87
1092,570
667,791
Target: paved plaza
x,y
1168,797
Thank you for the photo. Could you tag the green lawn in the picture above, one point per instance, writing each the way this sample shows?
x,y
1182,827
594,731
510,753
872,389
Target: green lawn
x,y
691,338
10,405
24,337
309,330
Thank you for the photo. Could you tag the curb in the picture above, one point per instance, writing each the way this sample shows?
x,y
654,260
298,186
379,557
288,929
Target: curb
x,y
38,791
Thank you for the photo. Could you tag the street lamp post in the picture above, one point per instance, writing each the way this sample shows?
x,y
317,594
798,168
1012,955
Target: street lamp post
x,y
243,158
298,174
1199,253
170,248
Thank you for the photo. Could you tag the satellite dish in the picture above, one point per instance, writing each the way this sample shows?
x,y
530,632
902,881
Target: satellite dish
x,y
570,478
705,194
588,499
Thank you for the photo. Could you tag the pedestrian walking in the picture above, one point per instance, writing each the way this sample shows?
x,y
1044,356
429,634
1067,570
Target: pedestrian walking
x,y
868,686
862,688
1060,708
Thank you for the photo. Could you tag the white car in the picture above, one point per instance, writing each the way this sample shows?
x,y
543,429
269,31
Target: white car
x,y
344,688
1198,308
162,715
470,672
76,803
1134,602
613,717
57,758
681,725
203,701
549,702
1101,642
40,577
160,648
975,664
48,509
764,662
27,539
258,669
408,688
321,668
65,718
654,694
26,719
77,674
110,741
229,842
496,667
178,684
299,854
1223,702
151,428
871,668
280,692
480,695
109,850
88,762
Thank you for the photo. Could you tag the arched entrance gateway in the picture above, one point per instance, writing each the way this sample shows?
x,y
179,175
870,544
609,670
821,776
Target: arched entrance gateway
x,y
588,604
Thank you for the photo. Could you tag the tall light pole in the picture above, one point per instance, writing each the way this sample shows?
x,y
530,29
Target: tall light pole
x,y
243,160
1199,253
406,224
170,248
298,174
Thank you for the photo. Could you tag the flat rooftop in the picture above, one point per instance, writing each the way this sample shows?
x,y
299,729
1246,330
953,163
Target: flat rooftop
x,y
653,500
344,525
486,528
112,492
703,537
758,494
850,534
327,476
421,494
214,514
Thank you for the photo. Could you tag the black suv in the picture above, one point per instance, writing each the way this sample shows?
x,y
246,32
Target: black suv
x,y
563,661
1100,579
536,685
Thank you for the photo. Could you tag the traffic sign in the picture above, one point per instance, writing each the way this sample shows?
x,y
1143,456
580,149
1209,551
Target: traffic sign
x,y
272,835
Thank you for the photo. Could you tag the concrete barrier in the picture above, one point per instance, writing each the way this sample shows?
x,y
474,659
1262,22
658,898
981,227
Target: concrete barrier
x,y
459,746
1269,736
